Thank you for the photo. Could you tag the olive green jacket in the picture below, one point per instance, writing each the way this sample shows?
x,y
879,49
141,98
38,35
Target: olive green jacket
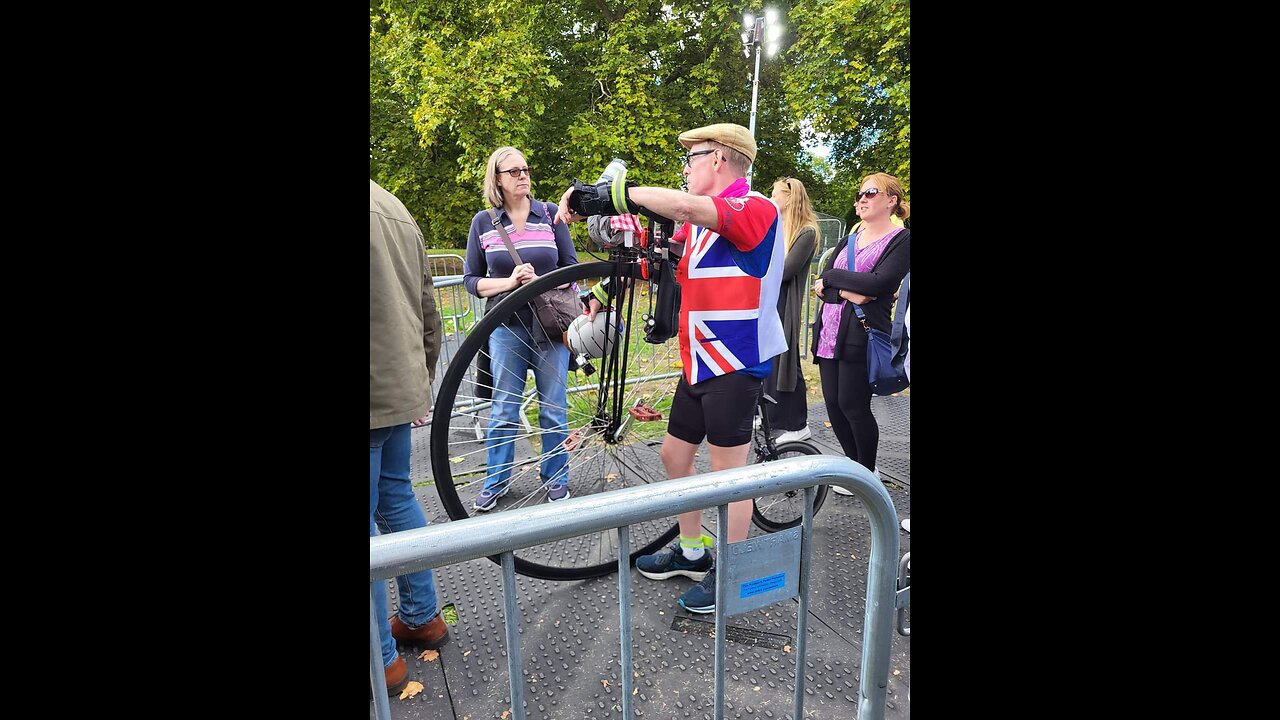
x,y
404,325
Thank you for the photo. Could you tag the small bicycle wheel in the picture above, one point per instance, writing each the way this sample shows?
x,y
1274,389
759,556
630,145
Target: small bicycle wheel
x,y
611,440
781,511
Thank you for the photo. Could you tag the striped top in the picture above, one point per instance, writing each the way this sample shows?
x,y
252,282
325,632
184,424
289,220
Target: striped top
x,y
543,243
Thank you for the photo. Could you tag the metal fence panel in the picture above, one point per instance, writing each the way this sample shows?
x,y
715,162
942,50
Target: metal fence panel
x,y
501,534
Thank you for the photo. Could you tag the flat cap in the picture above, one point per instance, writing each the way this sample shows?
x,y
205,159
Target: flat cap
x,y
727,134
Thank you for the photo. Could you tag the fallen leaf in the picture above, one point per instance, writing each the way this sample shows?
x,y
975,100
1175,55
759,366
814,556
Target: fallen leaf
x,y
826,423
429,655
756,688
897,672
413,688
604,683
610,477
506,714
786,648
466,653
456,460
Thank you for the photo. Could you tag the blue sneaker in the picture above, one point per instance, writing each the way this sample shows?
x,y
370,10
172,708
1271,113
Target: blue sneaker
x,y
701,598
488,498
558,492
671,562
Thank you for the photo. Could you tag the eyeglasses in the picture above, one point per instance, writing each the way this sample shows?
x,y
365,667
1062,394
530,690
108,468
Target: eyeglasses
x,y
869,192
516,172
688,158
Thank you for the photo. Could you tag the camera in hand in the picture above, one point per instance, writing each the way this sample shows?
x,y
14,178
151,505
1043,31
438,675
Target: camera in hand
x,y
591,199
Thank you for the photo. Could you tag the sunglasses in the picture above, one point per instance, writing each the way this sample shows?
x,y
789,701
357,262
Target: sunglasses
x,y
688,158
516,172
869,192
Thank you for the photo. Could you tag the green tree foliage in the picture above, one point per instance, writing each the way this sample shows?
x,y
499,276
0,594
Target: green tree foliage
x,y
853,82
574,83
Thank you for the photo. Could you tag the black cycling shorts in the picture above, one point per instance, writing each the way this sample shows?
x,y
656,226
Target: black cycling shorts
x,y
720,409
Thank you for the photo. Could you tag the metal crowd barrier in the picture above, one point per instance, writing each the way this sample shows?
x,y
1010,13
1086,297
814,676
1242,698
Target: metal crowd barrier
x,y
503,533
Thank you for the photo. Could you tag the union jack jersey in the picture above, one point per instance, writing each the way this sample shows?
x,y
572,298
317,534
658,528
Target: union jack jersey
x,y
729,284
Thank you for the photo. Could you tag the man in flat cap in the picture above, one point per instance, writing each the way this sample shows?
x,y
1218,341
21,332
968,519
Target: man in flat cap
x,y
730,275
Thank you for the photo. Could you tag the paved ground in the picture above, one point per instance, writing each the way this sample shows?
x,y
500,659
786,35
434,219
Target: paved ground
x,y
569,630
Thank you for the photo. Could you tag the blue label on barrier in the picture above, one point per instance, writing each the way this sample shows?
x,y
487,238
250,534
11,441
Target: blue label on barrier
x,y
763,585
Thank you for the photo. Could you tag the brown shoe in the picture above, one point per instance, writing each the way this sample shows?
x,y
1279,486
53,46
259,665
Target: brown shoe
x,y
433,635
397,676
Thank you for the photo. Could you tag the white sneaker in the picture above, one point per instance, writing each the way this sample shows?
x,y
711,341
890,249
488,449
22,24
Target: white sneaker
x,y
794,435
841,491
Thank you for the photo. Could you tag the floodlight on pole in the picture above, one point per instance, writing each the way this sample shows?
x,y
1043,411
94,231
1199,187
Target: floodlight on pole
x,y
759,30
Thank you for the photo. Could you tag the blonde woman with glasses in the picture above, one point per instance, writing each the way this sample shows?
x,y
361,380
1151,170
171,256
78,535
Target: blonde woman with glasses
x,y
785,382
519,344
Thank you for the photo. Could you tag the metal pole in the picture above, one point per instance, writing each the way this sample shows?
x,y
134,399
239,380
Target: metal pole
x,y
755,85
624,614
513,639
377,680
722,599
802,611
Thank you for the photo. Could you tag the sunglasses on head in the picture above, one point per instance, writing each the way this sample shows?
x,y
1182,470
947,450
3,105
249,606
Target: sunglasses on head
x,y
516,171
869,192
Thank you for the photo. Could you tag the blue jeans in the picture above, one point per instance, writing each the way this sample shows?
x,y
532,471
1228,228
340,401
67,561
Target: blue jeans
x,y
513,352
393,507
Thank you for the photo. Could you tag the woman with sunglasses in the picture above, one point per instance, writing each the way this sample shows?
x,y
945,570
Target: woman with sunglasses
x,y
785,382
866,269
519,344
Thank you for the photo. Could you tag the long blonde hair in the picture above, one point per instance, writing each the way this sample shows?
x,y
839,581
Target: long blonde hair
x,y
799,213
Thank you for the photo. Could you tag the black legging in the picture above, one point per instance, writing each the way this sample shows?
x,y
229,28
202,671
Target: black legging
x,y
848,399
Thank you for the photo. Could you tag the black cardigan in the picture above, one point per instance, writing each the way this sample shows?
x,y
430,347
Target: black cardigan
x,y
882,282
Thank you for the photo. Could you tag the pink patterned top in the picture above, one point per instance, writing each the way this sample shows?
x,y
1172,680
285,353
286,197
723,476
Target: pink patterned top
x,y
864,259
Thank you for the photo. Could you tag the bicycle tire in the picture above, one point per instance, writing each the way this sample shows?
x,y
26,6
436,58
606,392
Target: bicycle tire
x,y
540,561
782,511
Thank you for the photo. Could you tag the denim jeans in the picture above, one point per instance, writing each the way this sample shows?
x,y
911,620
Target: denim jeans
x,y
513,352
393,507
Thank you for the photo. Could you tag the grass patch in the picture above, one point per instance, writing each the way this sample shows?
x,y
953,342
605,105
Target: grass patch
x,y
450,614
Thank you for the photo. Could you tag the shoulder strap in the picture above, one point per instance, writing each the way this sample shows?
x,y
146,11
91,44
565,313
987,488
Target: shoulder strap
x,y
502,230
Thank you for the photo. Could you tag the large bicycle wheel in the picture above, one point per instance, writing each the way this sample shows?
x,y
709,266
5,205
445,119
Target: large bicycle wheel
x,y
612,440
785,510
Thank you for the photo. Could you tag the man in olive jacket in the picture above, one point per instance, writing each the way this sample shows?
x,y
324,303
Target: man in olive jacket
x,y
404,342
